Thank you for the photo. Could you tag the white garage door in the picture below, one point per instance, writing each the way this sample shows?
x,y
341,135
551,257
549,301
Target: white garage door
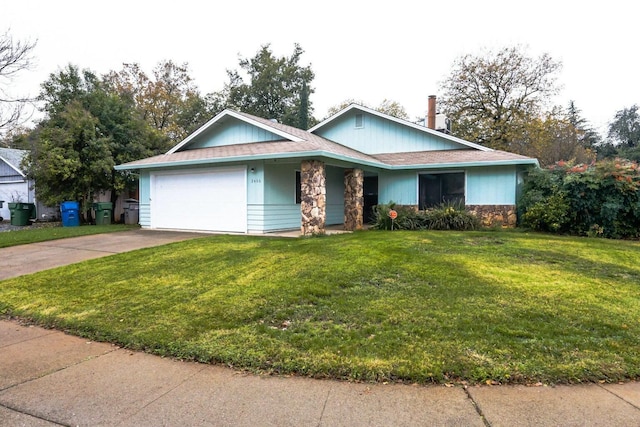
x,y
213,200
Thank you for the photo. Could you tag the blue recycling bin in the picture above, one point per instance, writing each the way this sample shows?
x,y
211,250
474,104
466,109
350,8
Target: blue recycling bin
x,y
70,214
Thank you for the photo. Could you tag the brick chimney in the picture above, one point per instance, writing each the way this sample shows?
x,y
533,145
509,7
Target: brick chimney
x,y
431,112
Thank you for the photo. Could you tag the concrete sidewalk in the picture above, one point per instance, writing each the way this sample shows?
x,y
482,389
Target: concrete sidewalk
x,y
48,378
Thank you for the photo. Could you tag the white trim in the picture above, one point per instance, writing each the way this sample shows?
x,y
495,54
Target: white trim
x,y
13,167
240,117
402,123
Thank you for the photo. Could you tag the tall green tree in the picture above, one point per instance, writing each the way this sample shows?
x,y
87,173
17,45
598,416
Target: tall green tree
x,y
303,110
491,97
273,88
86,131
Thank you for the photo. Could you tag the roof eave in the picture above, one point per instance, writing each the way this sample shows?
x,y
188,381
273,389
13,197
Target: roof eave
x,y
326,154
511,162
216,160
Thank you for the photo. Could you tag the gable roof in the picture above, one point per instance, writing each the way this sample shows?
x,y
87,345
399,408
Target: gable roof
x,y
253,120
400,122
298,143
13,158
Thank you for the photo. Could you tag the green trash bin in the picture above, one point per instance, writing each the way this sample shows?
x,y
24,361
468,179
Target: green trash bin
x,y
21,213
103,212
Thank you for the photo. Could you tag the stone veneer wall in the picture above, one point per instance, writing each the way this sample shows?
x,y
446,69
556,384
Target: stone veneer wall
x,y
495,215
353,199
313,192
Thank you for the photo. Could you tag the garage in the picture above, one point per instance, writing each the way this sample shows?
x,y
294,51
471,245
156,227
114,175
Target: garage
x,y
209,200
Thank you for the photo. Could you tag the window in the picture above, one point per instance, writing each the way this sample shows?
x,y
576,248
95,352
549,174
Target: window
x,y
434,189
359,121
298,188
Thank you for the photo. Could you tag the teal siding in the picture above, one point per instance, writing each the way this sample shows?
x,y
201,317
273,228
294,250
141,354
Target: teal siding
x,y
231,132
279,211
265,218
271,190
400,187
280,184
491,186
378,135
484,186
255,183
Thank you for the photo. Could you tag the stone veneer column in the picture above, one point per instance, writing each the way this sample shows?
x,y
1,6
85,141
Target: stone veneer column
x,y
313,192
353,199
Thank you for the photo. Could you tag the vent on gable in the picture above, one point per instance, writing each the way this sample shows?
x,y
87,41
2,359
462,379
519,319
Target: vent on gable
x,y
359,121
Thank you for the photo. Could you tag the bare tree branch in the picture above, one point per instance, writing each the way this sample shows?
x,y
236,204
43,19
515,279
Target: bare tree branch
x,y
15,57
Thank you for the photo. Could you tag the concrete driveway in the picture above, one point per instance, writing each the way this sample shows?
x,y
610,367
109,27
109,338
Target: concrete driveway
x,y
25,259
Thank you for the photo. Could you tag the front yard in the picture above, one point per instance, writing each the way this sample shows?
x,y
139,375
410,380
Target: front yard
x,y
385,306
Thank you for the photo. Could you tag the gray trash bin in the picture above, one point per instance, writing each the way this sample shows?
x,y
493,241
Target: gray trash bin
x,y
131,209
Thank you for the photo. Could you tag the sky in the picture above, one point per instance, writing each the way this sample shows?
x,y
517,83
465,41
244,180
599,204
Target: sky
x,y
363,50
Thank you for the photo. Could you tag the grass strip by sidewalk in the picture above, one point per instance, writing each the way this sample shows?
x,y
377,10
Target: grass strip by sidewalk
x,y
376,306
54,232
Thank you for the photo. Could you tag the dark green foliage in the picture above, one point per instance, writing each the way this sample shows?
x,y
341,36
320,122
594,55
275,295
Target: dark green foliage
x,y
447,216
87,131
277,87
602,199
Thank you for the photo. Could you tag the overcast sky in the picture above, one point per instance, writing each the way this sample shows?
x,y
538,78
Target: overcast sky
x,y
366,50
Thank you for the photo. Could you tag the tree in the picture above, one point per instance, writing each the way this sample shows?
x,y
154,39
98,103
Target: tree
x,y
387,106
555,138
15,57
625,128
73,160
392,108
275,87
583,133
303,110
490,97
87,130
168,100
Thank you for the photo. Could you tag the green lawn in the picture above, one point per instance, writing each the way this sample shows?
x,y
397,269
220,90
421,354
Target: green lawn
x,y
54,231
384,306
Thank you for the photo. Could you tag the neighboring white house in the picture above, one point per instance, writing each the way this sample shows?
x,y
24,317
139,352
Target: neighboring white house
x,y
14,185
247,174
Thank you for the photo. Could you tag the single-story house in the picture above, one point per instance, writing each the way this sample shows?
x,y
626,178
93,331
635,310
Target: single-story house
x,y
246,174
14,185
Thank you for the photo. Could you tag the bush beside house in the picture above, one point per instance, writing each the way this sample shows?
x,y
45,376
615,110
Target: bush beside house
x,y
601,199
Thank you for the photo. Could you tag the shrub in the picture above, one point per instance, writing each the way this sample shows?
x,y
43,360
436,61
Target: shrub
x,y
447,216
451,216
601,199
